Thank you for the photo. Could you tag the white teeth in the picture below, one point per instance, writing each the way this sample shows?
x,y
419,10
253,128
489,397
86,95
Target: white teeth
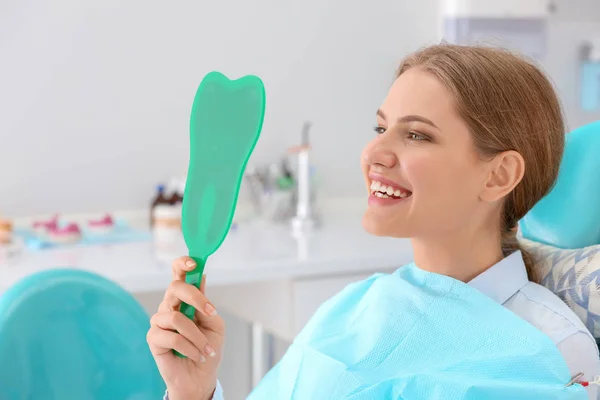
x,y
383,191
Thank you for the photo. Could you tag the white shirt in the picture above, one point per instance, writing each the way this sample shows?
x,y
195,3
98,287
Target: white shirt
x,y
506,283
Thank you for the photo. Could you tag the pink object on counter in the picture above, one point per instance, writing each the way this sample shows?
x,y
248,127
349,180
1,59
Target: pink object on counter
x,y
46,225
66,234
104,225
106,221
69,229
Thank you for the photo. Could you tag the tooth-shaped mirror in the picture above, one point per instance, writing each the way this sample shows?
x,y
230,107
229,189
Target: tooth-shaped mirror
x,y
226,120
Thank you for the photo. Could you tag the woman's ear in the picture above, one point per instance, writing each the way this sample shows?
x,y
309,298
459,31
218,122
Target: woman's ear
x,y
506,171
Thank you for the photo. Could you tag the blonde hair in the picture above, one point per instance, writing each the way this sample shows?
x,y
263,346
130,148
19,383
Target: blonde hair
x,y
508,104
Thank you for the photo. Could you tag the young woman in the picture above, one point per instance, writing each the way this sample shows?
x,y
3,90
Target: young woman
x,y
467,141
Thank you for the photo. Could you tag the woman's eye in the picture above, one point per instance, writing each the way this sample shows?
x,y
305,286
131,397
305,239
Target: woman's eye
x,y
416,136
379,129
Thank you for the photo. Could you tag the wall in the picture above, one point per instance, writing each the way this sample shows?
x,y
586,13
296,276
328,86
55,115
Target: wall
x,y
567,30
95,96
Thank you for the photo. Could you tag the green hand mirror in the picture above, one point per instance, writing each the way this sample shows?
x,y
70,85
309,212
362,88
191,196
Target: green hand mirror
x,y
226,120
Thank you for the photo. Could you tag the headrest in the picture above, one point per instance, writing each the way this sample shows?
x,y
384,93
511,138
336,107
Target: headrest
x,y
562,231
569,216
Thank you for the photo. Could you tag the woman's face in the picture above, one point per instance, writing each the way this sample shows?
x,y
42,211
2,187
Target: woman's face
x,y
423,173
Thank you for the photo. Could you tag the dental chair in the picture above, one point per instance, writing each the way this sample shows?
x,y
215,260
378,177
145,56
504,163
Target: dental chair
x,y
562,232
70,334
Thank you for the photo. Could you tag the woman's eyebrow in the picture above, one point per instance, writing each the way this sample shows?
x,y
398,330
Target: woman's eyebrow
x,y
410,118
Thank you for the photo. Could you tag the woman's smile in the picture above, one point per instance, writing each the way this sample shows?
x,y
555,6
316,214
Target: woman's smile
x,y
385,192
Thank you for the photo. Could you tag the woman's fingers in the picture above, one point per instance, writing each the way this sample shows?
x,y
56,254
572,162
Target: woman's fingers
x,y
183,265
162,341
208,319
178,292
203,284
180,266
176,321
205,315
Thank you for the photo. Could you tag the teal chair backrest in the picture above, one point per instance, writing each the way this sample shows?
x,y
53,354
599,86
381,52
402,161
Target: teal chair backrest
x,y
569,218
70,334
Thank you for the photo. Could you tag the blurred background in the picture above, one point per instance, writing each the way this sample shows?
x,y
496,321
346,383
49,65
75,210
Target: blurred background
x,y
96,95
95,100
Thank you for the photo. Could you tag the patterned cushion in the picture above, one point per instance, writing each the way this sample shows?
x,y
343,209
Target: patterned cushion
x,y
573,275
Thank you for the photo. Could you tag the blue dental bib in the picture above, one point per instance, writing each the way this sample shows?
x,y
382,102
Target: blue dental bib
x,y
416,335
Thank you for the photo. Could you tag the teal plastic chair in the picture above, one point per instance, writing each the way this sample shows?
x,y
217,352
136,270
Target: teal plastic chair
x,y
70,334
569,216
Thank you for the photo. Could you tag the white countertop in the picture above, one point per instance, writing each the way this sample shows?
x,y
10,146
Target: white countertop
x,y
255,251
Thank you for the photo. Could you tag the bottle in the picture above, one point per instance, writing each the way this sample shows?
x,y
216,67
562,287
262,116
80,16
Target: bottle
x,y
175,198
167,219
181,187
158,200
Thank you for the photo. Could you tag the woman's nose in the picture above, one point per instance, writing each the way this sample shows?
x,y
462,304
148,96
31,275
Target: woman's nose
x,y
380,156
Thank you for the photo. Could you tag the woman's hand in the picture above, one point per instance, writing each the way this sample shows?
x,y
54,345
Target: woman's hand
x,y
201,340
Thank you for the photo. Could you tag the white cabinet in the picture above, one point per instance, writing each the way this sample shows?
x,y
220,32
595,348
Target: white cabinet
x,y
281,307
